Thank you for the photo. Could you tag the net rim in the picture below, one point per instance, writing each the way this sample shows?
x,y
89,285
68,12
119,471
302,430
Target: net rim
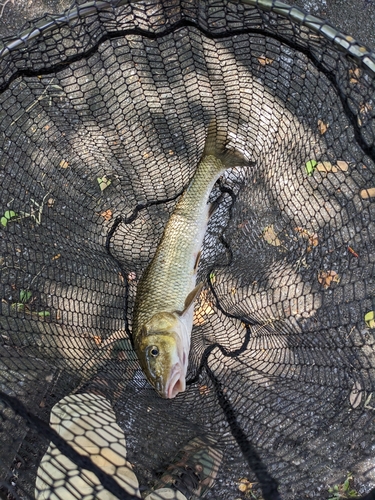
x,y
343,41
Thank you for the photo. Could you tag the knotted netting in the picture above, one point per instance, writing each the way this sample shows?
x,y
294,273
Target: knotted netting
x,y
104,115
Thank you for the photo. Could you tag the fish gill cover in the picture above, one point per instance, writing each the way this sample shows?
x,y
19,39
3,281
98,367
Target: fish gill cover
x,y
104,116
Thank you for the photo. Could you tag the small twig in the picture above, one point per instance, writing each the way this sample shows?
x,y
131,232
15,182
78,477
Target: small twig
x,y
3,7
38,212
351,331
35,277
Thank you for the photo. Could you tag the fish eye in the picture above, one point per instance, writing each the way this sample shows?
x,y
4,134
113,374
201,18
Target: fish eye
x,y
154,351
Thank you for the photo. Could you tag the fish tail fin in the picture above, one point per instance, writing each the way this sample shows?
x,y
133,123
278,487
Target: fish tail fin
x,y
216,146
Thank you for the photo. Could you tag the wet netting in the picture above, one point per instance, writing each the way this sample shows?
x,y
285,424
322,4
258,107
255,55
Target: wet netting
x,y
103,120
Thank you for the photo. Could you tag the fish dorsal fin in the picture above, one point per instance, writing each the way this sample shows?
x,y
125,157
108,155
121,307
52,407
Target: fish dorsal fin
x,y
189,301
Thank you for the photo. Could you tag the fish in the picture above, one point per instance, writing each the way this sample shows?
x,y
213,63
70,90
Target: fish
x,y
164,305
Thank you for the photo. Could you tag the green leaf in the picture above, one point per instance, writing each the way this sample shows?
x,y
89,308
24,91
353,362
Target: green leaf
x,y
345,486
18,306
104,182
370,319
25,296
311,166
44,313
8,215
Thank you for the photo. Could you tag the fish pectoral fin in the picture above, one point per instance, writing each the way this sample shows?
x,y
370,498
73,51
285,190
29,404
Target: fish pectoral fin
x,y
189,301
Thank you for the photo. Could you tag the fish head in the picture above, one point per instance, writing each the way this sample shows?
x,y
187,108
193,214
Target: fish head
x,y
163,353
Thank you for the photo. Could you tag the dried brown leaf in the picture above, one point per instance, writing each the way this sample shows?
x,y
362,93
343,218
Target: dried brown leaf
x,y
107,214
204,390
64,164
356,72
244,485
264,60
322,127
354,75
313,239
326,278
365,108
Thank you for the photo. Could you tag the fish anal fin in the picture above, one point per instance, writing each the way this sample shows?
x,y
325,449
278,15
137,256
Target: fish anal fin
x,y
215,205
190,299
197,262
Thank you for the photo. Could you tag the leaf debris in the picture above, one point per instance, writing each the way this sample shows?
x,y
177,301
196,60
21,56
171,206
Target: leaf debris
x,y
353,252
312,238
204,390
104,182
64,164
310,166
244,485
107,214
263,60
326,278
370,319
354,75
8,216
323,127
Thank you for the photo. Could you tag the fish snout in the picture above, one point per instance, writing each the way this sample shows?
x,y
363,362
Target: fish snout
x,y
176,383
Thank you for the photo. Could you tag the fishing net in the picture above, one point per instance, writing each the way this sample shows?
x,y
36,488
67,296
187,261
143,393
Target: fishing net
x,y
104,115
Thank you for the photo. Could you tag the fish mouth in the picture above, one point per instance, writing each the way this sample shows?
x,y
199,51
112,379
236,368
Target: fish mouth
x,y
176,384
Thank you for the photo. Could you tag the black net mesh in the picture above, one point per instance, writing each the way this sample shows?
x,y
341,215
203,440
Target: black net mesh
x,y
104,115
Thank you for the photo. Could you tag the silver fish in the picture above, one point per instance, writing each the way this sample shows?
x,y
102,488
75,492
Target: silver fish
x,y
164,306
